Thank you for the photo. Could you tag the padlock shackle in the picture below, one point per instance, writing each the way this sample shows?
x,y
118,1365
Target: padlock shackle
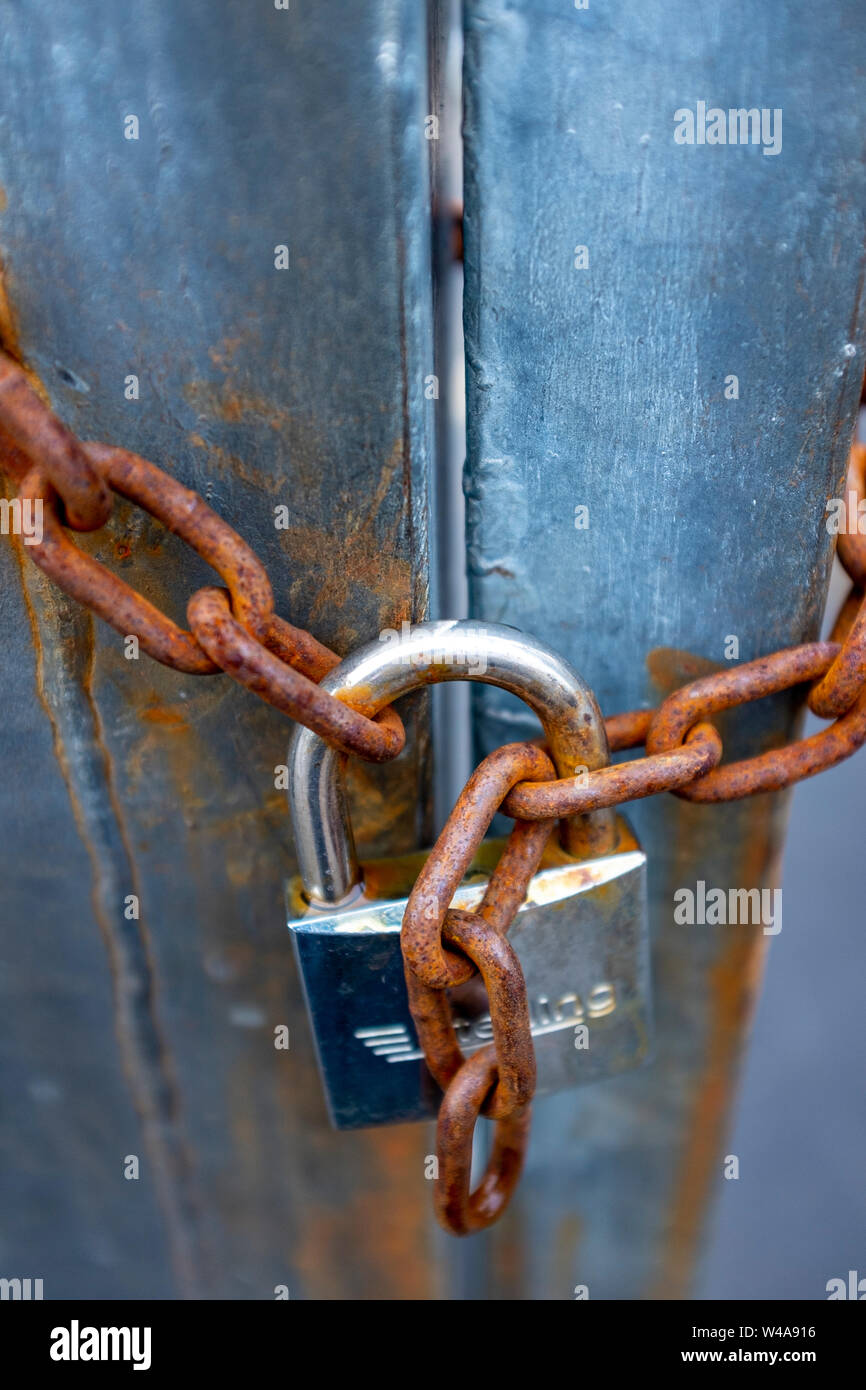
x,y
428,654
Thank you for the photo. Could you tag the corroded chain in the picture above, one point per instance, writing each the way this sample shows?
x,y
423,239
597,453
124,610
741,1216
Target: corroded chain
x,y
235,630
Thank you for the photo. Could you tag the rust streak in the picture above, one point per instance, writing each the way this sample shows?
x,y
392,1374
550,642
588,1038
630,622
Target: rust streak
x,y
733,988
144,1053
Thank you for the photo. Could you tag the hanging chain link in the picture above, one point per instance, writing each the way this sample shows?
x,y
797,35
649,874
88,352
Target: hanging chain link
x,y
235,630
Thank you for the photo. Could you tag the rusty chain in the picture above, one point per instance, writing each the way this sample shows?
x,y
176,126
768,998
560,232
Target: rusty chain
x,y
235,630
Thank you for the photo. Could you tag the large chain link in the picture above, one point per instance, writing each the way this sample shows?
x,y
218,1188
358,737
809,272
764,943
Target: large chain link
x,y
235,630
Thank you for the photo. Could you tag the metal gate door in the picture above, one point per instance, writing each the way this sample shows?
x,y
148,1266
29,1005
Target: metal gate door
x,y
221,237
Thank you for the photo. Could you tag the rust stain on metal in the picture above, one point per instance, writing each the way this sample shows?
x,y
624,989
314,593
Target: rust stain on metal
x,y
734,981
329,1229
384,801
233,464
145,1056
365,558
223,355
10,340
733,986
566,1245
227,402
167,716
671,667
402,1231
183,512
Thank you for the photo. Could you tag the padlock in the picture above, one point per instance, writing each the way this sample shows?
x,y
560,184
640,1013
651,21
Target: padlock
x,y
580,936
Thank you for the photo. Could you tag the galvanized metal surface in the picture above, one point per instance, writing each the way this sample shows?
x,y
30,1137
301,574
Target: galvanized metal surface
x,y
604,388
156,257
154,1036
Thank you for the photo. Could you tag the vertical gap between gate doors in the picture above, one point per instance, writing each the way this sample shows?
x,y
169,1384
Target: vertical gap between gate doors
x,y
449,590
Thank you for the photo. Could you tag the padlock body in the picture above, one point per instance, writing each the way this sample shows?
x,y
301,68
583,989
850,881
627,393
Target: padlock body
x,y
581,937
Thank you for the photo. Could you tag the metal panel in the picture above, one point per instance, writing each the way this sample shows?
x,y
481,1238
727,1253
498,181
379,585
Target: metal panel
x,y
155,256
605,387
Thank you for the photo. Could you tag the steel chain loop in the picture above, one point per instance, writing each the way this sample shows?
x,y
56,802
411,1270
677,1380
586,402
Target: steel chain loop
x,y
839,688
447,864
502,977
182,512
38,437
236,631
778,768
611,786
239,634
499,1080
457,1209
246,660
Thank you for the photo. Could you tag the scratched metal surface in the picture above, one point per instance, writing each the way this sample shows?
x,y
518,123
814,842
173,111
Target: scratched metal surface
x,y
258,127
604,387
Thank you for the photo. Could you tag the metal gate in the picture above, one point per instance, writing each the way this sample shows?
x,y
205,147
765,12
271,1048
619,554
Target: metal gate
x,y
225,236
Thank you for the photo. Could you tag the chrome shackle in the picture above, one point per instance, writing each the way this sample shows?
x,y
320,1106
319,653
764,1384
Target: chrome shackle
x,y
427,654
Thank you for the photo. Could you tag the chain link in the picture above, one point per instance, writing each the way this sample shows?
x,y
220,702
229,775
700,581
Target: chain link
x,y
447,864
32,434
235,630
